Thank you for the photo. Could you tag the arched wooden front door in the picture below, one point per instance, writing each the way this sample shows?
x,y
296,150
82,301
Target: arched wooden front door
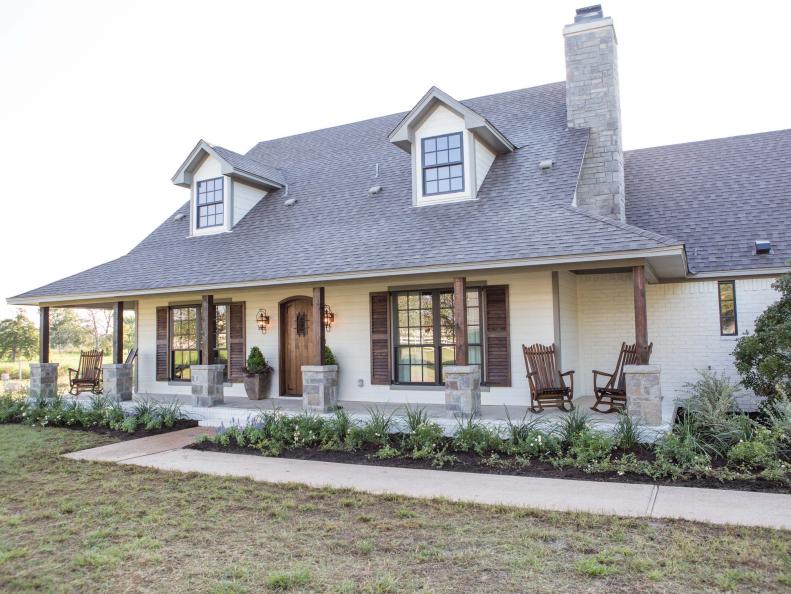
x,y
295,344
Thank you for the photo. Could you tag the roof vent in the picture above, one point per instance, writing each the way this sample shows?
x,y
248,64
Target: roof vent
x,y
374,190
179,217
763,246
546,164
589,13
290,202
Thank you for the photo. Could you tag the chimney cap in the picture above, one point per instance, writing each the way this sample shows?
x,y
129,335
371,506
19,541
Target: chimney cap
x,y
589,13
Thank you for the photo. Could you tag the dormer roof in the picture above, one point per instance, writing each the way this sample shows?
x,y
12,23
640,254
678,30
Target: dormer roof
x,y
232,164
403,134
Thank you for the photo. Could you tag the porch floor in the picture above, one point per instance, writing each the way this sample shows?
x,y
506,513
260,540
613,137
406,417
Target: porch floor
x,y
239,411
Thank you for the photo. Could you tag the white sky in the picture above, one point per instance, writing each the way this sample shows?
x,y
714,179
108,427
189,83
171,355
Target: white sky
x,y
100,102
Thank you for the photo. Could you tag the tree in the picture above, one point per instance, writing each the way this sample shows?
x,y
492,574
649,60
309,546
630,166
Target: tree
x,y
66,329
18,337
100,324
763,358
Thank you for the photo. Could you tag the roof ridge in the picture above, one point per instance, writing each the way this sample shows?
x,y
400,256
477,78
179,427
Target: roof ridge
x,y
403,114
705,140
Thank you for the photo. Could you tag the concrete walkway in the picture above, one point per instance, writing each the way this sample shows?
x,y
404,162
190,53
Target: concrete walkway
x,y
718,506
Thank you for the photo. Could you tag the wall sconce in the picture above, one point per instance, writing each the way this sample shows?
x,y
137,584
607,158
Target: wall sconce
x,y
262,320
329,317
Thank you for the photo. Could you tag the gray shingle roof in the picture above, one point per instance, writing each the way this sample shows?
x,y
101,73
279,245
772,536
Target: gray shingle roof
x,y
717,196
336,227
249,165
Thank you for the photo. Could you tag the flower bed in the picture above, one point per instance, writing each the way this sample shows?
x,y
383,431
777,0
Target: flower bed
x,y
709,446
99,415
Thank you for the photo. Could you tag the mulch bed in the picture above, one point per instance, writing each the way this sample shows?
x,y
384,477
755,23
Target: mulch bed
x,y
472,463
141,432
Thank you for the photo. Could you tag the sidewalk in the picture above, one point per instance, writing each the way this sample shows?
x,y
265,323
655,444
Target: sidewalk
x,y
718,506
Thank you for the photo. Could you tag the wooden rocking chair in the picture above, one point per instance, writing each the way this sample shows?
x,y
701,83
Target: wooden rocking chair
x,y
547,386
613,394
88,374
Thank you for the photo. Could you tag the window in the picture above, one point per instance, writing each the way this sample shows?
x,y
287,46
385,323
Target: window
x,y
443,164
210,205
185,339
727,294
425,335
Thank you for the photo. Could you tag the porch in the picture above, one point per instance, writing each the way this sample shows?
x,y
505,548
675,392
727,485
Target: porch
x,y
239,411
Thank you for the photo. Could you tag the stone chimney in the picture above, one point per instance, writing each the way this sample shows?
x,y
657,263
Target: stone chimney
x,y
593,101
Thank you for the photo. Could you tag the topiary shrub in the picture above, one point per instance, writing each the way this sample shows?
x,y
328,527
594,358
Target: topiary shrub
x,y
256,363
329,356
763,358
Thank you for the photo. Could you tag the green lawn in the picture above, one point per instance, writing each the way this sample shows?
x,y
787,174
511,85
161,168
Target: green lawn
x,y
92,527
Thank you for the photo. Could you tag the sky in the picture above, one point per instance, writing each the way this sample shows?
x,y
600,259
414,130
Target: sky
x,y
100,102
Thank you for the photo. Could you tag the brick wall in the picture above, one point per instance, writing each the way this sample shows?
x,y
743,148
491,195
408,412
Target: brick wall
x,y
683,324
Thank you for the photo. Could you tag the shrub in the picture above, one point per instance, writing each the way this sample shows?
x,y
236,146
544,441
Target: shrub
x,y
256,363
590,447
628,433
376,431
335,431
755,454
528,439
709,414
473,436
763,359
778,418
572,424
329,356
11,409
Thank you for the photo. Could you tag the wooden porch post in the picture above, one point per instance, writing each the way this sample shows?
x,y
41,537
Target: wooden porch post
x,y
208,335
43,335
317,327
640,314
118,332
460,318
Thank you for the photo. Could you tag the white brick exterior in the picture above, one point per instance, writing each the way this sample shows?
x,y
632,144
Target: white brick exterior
x,y
683,324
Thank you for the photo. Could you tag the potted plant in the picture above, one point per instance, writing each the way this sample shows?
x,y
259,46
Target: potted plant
x,y
257,375
329,356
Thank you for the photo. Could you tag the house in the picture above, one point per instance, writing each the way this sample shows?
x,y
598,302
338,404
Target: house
x,y
436,242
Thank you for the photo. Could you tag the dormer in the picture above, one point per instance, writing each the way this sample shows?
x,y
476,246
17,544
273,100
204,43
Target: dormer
x,y
452,148
224,186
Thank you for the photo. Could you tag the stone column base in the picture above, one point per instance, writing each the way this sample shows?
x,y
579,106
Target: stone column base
x,y
207,384
319,388
117,381
643,393
463,389
43,380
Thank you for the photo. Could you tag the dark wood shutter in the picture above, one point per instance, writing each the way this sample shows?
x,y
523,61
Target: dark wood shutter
x,y
380,338
498,361
236,341
163,348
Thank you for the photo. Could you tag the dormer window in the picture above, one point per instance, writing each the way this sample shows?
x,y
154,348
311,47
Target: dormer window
x,y
210,203
443,164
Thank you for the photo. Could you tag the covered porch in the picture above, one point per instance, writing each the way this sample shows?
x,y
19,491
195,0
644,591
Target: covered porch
x,y
488,315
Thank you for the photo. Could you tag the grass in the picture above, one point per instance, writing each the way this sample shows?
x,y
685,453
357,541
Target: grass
x,y
68,526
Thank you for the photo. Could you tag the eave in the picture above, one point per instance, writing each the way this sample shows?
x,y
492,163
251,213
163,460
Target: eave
x,y
403,134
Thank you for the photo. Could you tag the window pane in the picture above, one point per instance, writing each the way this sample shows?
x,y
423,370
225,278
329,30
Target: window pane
x,y
428,355
429,159
454,141
443,185
454,155
402,302
456,171
474,334
403,355
442,157
474,355
455,184
727,299
448,355
404,373
429,374
431,187
431,174
414,300
442,143
430,145
472,297
417,373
